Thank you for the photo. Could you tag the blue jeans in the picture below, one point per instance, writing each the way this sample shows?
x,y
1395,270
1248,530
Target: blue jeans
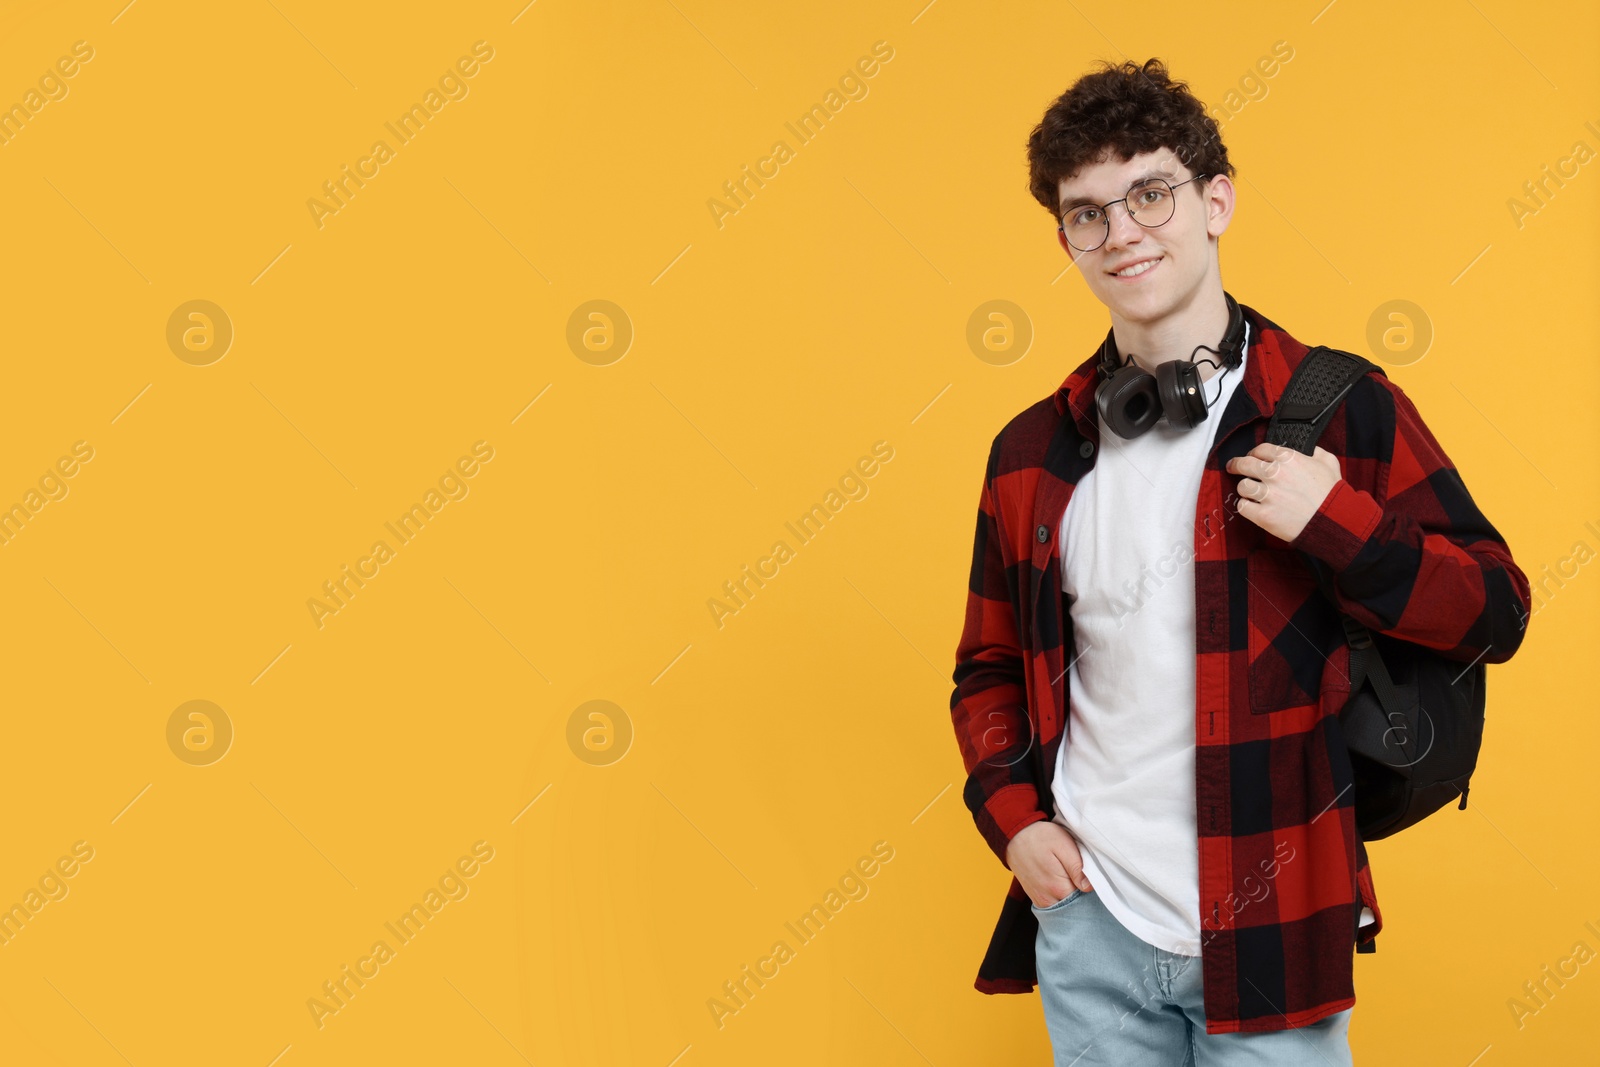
x,y
1112,999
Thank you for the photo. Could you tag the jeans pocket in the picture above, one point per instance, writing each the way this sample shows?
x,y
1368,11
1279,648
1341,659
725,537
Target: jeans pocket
x,y
1058,905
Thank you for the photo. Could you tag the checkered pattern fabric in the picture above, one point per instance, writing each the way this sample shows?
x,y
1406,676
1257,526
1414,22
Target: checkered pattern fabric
x,y
1397,543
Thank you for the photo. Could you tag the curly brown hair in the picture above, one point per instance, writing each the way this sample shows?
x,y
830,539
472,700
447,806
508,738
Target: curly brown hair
x,y
1129,109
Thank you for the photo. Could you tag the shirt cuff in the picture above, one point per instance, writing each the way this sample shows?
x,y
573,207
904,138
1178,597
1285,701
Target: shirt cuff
x,y
1340,526
1013,808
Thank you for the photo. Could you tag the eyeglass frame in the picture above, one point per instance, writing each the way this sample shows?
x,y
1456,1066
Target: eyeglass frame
x,y
1061,223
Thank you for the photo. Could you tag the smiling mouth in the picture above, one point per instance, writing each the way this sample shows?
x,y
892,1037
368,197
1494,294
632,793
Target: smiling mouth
x,y
1139,269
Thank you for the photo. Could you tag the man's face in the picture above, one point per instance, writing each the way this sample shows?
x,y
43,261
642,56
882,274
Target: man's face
x,y
1181,248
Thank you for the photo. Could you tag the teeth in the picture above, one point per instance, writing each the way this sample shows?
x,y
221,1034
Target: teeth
x,y
1137,269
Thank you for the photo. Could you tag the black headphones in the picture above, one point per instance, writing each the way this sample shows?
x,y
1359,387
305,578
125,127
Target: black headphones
x,y
1131,399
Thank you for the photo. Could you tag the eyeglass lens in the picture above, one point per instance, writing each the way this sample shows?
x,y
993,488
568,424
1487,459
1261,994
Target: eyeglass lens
x,y
1150,203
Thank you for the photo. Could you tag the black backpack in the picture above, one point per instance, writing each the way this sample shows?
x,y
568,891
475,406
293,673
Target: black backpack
x,y
1414,721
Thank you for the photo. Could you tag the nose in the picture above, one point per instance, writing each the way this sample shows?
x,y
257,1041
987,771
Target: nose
x,y
1122,225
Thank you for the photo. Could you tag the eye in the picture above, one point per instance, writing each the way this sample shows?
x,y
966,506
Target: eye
x,y
1084,216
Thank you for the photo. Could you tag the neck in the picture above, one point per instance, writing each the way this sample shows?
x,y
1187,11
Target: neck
x,y
1201,321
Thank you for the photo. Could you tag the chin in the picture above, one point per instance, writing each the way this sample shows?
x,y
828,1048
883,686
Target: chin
x,y
1151,302
1146,305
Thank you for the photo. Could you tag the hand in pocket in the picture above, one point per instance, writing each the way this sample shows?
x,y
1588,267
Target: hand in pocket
x,y
1047,863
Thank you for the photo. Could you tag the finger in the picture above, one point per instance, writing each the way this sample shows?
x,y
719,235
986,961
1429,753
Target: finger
x,y
1262,460
1077,879
1275,454
1255,491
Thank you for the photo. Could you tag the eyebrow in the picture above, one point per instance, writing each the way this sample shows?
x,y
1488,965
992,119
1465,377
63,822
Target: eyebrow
x,y
1146,176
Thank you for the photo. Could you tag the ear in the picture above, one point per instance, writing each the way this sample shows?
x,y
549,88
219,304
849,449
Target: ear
x,y
1219,205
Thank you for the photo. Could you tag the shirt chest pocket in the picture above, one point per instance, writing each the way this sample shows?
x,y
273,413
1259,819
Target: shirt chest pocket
x,y
1292,628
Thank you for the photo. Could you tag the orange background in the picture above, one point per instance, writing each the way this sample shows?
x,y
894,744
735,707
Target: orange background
x,y
643,458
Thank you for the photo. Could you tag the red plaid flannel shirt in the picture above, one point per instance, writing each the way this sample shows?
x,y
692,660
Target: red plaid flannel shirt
x,y
1398,543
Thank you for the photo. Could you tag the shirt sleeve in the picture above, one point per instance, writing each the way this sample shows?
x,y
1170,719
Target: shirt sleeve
x,y
988,707
1417,561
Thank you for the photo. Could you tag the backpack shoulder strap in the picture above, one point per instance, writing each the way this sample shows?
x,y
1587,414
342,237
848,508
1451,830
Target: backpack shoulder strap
x,y
1316,388
1318,385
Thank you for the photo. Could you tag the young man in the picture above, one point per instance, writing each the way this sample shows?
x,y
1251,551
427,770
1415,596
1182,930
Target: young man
x,y
1148,680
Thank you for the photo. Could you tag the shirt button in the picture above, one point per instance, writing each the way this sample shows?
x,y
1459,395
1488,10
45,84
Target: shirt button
x,y
1086,449
1043,534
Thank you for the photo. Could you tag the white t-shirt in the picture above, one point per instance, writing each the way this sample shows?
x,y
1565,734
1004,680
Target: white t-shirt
x,y
1124,783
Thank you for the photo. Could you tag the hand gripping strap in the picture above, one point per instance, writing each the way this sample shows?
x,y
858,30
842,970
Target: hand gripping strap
x,y
1319,382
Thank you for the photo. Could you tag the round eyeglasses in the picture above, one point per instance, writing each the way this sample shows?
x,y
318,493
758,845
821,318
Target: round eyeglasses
x,y
1150,203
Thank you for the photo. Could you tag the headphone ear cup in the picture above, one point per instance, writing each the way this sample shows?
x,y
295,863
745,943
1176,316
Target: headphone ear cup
x,y
1183,402
1128,402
